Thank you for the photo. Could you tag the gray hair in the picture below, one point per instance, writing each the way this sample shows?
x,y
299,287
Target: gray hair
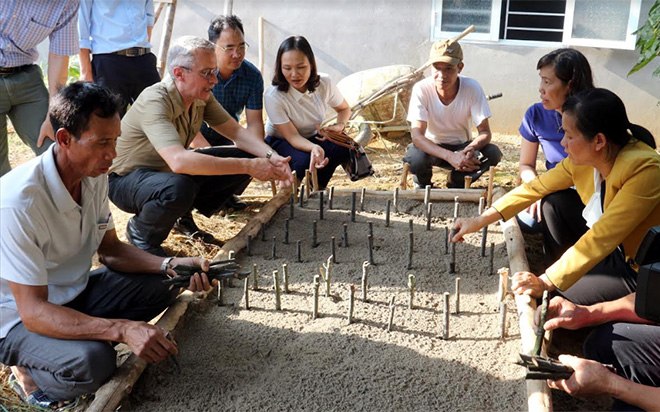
x,y
182,52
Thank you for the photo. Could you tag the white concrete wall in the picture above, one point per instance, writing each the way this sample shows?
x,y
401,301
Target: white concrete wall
x,y
353,35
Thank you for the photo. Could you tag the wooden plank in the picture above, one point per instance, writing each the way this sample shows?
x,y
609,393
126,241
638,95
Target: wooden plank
x,y
539,398
438,195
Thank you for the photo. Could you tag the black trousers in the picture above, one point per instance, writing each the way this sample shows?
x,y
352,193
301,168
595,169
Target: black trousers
x,y
421,164
562,226
125,76
158,199
64,369
633,349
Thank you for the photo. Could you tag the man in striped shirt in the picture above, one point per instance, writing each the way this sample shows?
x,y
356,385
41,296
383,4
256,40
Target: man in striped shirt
x,y
23,95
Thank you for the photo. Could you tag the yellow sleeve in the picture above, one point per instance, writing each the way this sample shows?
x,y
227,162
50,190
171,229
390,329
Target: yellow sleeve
x,y
635,193
554,180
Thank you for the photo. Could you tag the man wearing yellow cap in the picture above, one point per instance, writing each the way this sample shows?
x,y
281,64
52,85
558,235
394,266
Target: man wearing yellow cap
x,y
442,110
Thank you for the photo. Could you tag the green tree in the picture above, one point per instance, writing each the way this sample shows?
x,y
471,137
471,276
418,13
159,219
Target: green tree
x,y
648,40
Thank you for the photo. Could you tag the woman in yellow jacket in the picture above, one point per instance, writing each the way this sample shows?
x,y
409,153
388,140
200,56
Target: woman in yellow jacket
x,y
612,165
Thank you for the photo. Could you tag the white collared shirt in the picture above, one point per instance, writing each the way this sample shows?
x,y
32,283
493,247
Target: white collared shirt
x,y
46,237
304,110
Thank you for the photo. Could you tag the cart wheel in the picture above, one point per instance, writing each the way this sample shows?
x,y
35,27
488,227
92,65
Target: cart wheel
x,y
364,134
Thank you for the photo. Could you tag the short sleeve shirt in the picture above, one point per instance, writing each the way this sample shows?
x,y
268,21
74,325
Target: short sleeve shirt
x,y
304,110
449,124
46,237
158,119
544,127
243,90
26,23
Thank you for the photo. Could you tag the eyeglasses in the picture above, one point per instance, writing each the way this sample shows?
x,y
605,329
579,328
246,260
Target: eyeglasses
x,y
242,48
208,74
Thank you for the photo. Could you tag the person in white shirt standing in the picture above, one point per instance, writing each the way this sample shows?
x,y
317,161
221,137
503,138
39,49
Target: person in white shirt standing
x,y
442,110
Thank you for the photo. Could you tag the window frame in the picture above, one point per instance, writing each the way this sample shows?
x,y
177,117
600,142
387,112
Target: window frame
x,y
567,39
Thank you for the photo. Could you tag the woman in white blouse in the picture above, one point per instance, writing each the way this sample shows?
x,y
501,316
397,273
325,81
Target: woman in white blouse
x,y
296,105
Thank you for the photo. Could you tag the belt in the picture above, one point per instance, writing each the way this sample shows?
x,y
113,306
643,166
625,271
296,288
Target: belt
x,y
133,52
13,70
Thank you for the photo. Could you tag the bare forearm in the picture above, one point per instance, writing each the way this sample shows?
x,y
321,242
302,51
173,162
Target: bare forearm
x,y
85,65
645,397
58,67
620,310
481,141
206,165
61,322
527,173
125,258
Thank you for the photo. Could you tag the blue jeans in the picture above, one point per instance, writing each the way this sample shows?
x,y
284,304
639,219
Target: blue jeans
x,y
336,155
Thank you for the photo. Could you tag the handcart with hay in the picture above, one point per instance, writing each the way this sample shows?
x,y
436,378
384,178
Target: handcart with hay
x,y
382,110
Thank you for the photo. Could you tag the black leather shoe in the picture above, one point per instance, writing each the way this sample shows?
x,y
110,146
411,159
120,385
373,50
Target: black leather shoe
x,y
187,226
234,202
136,239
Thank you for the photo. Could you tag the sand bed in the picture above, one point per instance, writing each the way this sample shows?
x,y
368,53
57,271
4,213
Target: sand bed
x,y
263,359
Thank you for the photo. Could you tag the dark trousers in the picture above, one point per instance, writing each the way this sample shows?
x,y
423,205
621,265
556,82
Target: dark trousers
x,y
336,155
633,349
562,226
421,164
214,138
158,199
64,369
125,76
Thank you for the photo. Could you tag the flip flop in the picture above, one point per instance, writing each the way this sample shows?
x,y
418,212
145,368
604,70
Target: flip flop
x,y
38,399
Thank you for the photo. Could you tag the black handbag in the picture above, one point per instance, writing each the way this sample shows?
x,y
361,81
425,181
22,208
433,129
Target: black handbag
x,y
357,166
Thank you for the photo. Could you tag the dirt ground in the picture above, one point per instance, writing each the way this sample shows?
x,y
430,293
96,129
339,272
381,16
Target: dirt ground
x,y
261,354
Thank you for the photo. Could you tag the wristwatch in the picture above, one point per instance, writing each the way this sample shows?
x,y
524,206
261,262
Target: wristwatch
x,y
269,154
165,265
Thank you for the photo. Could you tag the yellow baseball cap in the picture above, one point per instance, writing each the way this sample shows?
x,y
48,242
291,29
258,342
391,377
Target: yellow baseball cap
x,y
447,51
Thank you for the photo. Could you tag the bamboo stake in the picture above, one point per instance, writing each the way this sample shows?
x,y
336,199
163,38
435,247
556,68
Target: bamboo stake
x,y
404,177
351,303
481,205
456,207
502,320
362,193
387,212
365,280
458,295
246,288
166,37
294,191
504,283
390,320
411,289
429,212
273,255
468,181
427,195
255,277
410,250
308,184
315,311
276,285
452,253
273,187
328,276
445,324
315,179
395,200
285,277
221,293
353,201
315,242
491,179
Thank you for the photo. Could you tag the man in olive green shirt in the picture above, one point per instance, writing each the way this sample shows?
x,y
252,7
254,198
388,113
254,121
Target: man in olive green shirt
x,y
154,174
